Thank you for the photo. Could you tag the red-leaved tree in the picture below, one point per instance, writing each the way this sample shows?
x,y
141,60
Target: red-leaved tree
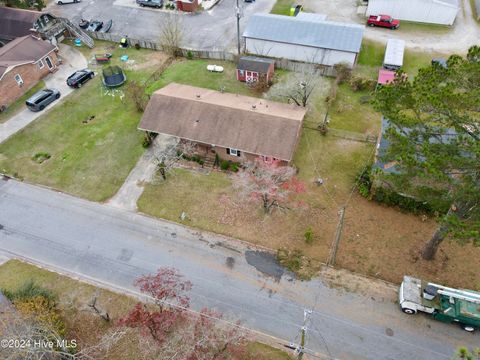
x,y
169,292
269,182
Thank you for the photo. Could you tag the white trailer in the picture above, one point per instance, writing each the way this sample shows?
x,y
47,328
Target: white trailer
x,y
394,51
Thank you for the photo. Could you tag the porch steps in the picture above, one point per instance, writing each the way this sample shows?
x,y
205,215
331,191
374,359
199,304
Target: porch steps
x,y
209,161
79,33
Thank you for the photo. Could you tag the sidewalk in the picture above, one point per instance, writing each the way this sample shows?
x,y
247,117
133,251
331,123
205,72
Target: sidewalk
x,y
72,60
126,198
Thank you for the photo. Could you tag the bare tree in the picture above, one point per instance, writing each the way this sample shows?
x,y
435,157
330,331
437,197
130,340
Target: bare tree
x,y
298,87
167,157
96,309
267,181
172,34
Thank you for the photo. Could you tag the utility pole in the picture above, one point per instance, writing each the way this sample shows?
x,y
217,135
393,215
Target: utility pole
x,y
238,15
300,349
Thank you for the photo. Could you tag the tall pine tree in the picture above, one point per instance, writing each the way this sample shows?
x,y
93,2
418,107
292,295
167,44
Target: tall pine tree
x,y
434,137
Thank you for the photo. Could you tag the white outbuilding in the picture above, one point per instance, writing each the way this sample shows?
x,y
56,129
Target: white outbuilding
x,y
441,12
310,39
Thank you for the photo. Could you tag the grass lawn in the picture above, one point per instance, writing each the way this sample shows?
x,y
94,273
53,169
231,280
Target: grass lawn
x,y
212,204
371,59
195,73
81,324
88,158
350,114
282,7
19,105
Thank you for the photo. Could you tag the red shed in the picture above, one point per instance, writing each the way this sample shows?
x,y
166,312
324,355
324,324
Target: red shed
x,y
251,68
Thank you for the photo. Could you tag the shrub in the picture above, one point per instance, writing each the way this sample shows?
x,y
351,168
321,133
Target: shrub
x,y
364,182
234,167
217,160
359,83
40,157
309,236
224,165
137,46
189,55
28,290
42,310
343,72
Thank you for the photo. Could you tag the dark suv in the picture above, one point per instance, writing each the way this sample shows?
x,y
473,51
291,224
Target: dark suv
x,y
151,3
78,78
42,98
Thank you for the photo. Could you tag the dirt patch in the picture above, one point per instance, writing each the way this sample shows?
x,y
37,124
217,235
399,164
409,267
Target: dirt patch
x,y
384,242
156,58
346,281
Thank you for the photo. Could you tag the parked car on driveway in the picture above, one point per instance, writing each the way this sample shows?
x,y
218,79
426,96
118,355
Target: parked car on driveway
x,y
42,98
383,21
80,77
61,2
95,25
151,3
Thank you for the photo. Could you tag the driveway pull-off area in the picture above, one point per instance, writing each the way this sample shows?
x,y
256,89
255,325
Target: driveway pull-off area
x,y
128,195
72,60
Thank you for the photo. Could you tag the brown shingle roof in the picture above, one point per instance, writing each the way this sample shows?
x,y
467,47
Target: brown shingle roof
x,y
27,49
16,22
252,125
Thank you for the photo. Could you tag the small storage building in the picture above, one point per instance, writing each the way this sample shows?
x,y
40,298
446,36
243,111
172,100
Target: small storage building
x,y
251,68
307,39
441,12
394,51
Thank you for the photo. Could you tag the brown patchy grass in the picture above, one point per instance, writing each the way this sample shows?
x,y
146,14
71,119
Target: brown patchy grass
x,y
385,242
82,325
212,204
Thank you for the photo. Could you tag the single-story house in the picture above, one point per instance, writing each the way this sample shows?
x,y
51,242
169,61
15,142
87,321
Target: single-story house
x,y
15,23
252,68
23,62
309,39
441,12
235,127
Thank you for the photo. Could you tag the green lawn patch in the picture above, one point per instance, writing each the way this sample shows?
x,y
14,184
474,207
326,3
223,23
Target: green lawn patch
x,y
195,73
91,159
282,7
19,104
352,111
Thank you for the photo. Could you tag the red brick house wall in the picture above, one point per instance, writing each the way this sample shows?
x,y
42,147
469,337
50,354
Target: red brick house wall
x,y
188,6
31,74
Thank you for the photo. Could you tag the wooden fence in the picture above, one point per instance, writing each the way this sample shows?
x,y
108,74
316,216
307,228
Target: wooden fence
x,y
216,54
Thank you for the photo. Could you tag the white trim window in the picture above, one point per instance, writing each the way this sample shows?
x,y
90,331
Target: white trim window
x,y
18,79
233,152
40,64
49,62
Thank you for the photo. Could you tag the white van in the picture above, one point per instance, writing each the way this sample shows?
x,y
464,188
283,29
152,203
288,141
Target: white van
x,y
61,2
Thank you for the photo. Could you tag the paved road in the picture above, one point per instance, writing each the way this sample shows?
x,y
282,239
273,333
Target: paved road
x,y
214,29
114,246
72,60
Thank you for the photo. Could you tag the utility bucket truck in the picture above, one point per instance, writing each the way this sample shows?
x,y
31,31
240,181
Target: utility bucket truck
x,y
443,303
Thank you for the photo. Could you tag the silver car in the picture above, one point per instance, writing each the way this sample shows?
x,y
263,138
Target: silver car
x,y
42,98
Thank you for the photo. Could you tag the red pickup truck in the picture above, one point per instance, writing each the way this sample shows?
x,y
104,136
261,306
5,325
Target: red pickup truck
x,y
383,21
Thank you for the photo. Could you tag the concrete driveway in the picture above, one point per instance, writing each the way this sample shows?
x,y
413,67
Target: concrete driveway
x,y
72,60
214,29
112,247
